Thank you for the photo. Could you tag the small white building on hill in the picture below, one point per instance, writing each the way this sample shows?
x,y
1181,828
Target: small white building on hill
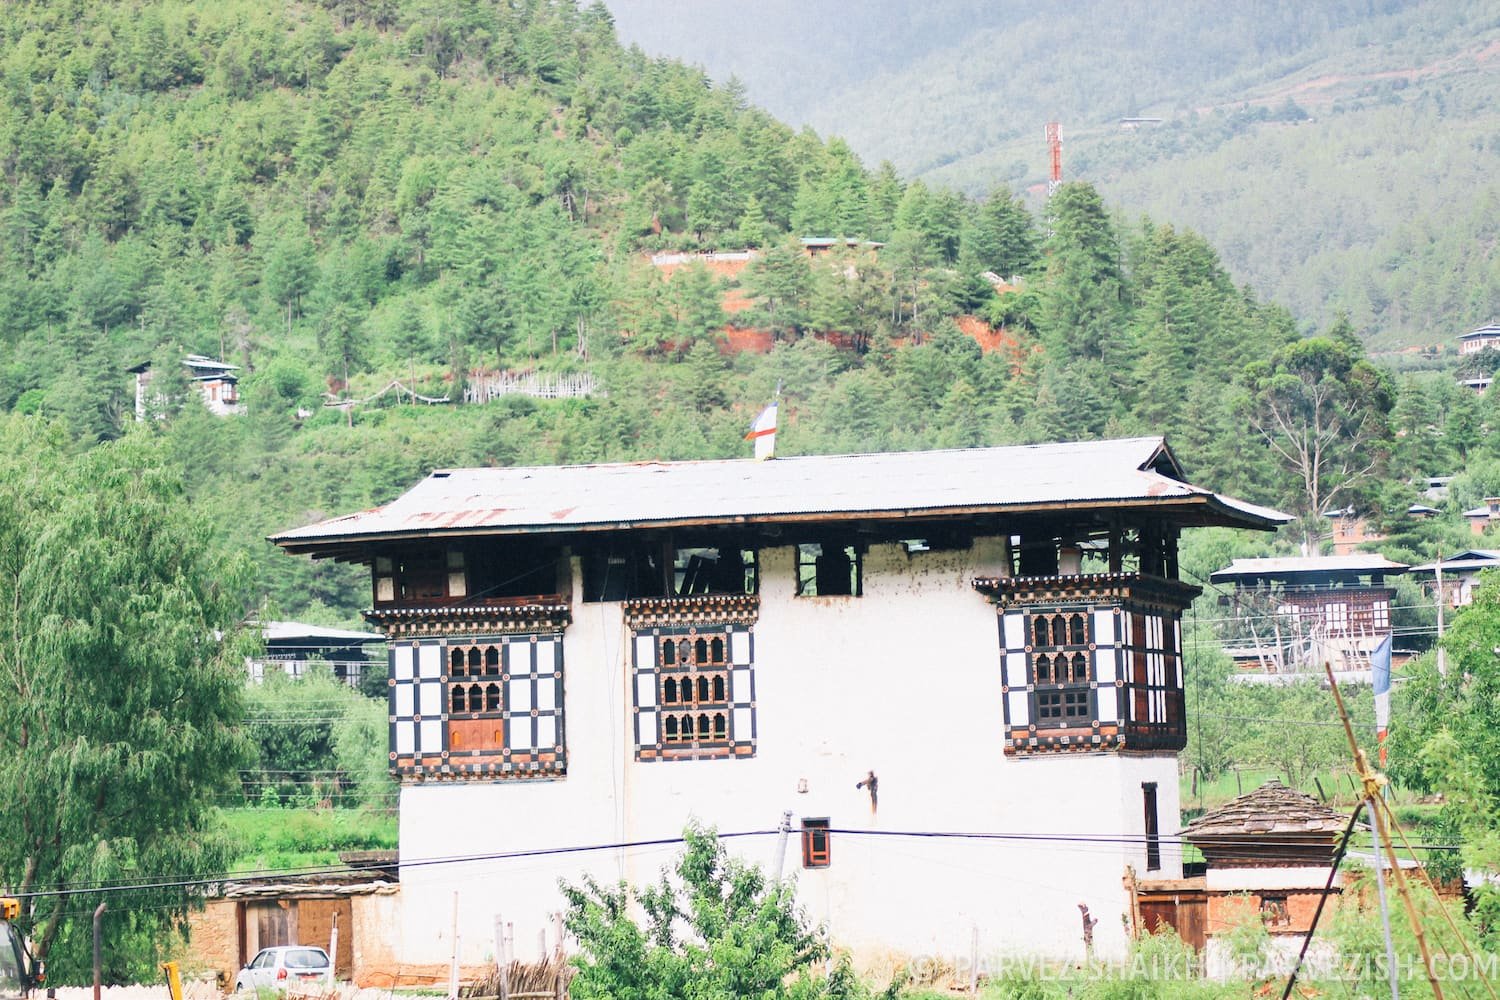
x,y
903,651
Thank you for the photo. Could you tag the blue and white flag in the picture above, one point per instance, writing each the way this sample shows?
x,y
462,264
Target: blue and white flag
x,y
1380,670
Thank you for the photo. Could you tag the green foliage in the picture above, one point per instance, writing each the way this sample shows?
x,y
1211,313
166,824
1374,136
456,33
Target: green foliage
x,y
1339,153
1447,739
714,929
121,666
274,838
1321,408
316,741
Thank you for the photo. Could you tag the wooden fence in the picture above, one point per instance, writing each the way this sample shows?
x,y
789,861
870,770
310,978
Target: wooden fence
x,y
484,388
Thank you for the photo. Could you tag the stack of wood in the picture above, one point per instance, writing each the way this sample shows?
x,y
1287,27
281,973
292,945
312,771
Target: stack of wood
x,y
546,980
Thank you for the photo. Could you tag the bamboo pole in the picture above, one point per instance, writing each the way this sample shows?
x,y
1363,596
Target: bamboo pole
x,y
1373,783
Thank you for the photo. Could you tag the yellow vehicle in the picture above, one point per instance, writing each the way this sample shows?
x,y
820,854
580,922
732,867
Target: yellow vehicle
x,y
19,972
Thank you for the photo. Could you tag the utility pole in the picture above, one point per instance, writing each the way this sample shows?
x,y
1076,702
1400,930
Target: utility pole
x,y
786,831
1442,598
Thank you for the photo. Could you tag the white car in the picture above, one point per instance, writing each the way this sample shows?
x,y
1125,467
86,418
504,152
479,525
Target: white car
x,y
284,967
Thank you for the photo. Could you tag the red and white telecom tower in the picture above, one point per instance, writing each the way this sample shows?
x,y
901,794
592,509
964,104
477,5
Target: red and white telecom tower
x,y
1054,155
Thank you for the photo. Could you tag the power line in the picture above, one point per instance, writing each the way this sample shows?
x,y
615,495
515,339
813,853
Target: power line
x,y
1082,840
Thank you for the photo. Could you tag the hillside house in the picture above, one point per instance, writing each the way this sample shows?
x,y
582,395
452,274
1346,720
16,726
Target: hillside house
x,y
1352,530
1477,340
1460,574
599,655
291,647
1311,609
214,381
1266,856
1480,518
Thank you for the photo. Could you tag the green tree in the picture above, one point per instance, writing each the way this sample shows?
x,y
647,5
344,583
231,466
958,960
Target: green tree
x,y
715,927
121,667
781,284
1321,408
1445,727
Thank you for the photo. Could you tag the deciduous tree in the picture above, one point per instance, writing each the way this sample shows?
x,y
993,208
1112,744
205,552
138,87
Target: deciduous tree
x,y
120,678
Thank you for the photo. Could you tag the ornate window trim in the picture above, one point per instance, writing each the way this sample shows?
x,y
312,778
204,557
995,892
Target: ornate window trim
x,y
1132,695
515,732
703,646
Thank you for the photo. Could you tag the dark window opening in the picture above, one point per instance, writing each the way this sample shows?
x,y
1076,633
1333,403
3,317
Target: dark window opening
x,y
722,570
623,573
1153,830
1274,911
514,568
817,849
692,687
420,575
826,569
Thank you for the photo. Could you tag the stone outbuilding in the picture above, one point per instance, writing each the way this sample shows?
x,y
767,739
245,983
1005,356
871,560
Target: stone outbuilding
x,y
1265,854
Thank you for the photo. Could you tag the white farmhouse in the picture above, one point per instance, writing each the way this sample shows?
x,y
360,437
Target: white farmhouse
x,y
981,642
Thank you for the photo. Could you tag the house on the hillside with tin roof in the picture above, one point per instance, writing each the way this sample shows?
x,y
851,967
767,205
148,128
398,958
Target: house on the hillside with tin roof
x,y
1477,340
1459,574
215,382
978,641
1311,609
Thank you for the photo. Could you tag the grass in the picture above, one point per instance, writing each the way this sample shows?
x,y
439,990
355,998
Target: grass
x,y
280,839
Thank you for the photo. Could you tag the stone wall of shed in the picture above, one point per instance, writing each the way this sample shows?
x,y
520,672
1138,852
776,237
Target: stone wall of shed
x,y
214,941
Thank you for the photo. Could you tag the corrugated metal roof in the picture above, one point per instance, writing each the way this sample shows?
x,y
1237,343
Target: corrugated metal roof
x,y
584,497
280,631
1468,559
1308,565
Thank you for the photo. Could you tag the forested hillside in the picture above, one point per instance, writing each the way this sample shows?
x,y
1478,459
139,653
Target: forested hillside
x,y
335,197
1341,155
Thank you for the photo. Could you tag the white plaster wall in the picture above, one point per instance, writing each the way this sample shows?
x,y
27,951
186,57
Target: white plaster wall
x,y
904,681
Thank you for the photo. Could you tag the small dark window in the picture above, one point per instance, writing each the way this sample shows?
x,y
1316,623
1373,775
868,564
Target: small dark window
x,y
1153,828
1076,630
1274,911
491,698
491,660
816,849
829,570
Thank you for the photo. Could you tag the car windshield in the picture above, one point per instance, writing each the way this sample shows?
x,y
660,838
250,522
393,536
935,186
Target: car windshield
x,y
10,972
306,958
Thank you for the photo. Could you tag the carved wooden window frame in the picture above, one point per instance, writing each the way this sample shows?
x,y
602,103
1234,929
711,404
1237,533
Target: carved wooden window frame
x,y
518,730
728,683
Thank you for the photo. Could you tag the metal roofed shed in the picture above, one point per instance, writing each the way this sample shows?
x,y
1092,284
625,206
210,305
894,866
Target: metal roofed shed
x,y
1077,478
1306,569
1469,559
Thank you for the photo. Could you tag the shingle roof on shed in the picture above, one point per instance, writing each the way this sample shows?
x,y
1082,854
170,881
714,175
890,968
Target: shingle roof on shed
x,y
1272,809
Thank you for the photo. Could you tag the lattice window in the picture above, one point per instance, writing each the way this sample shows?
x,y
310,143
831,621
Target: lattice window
x,y
694,693
481,706
1060,676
